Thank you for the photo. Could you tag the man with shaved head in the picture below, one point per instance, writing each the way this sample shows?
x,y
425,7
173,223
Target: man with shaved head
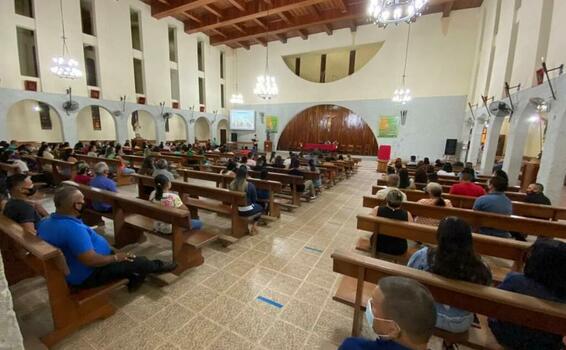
x,y
401,312
91,260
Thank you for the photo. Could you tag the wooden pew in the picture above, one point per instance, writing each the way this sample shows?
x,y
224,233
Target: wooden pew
x,y
194,161
59,175
485,245
113,164
286,180
478,219
133,216
361,274
69,310
537,211
224,180
514,196
10,169
481,178
223,202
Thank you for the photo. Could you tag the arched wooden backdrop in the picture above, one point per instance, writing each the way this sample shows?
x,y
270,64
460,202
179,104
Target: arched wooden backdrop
x,y
329,123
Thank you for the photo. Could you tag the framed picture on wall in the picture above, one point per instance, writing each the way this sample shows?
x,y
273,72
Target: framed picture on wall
x,y
388,126
271,123
95,112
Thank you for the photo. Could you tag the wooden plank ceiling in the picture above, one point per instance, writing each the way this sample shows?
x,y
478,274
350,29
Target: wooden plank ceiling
x,y
242,23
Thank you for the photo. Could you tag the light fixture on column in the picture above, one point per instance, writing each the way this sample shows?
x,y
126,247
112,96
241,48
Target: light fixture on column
x,y
384,12
266,87
237,98
64,66
403,95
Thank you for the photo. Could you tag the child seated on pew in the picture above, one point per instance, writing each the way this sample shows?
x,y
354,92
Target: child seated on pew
x,y
263,194
253,208
401,314
454,257
317,183
544,277
168,199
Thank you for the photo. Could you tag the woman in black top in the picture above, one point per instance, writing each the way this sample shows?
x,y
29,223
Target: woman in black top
x,y
392,210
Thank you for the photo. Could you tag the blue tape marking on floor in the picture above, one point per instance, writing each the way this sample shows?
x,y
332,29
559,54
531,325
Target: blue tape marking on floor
x,y
314,249
270,302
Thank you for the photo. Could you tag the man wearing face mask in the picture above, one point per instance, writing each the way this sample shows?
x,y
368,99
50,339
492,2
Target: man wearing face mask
x,y
90,258
535,195
20,207
402,314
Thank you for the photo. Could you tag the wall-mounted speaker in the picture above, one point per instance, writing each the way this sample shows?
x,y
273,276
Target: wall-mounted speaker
x,y
450,148
234,137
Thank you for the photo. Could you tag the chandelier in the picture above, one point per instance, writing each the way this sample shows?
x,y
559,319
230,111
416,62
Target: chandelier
x,y
384,12
403,95
237,98
64,66
265,86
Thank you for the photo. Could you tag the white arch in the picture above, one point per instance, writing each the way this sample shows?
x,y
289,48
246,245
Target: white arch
x,y
147,125
222,125
177,128
85,124
202,128
23,122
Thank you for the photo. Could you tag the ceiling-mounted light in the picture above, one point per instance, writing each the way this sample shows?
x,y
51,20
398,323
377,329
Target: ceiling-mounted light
x,y
384,12
266,86
403,95
64,66
237,98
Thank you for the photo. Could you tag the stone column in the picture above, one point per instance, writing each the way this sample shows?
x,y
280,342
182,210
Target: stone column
x,y
490,148
475,139
516,140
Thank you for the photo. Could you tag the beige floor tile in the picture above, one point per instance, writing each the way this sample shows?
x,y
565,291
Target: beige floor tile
x,y
220,281
306,257
274,262
300,314
223,310
312,294
253,256
98,333
322,278
198,297
141,337
296,270
285,284
333,327
284,336
230,341
260,275
170,319
146,305
196,334
272,295
314,342
252,323
220,260
238,267
244,290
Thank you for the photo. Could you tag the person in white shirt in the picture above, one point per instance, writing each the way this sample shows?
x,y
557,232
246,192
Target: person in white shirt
x,y
446,170
392,184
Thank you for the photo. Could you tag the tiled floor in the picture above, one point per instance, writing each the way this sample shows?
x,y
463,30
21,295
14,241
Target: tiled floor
x,y
270,291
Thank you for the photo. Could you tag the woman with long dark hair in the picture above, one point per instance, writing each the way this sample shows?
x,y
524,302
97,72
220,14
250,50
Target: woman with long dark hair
x,y
420,175
252,207
455,258
404,179
168,199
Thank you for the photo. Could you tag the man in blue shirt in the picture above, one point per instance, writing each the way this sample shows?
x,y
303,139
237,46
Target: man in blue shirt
x,y
102,181
89,257
402,314
495,202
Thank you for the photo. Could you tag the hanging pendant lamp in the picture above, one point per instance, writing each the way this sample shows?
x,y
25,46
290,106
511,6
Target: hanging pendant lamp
x,y
64,66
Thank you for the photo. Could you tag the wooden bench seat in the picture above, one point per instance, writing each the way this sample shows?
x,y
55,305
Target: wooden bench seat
x,y
69,310
538,211
133,216
61,170
477,219
218,200
224,180
10,168
113,164
487,301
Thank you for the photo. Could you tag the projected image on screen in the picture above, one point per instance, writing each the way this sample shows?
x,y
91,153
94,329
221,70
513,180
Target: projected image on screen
x,y
242,119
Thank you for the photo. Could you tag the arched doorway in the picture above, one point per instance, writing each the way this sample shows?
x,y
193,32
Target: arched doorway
x,y
32,120
95,123
176,128
222,134
202,129
322,123
141,125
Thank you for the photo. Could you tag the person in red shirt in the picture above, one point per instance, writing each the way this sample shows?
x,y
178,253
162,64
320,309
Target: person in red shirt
x,y
466,187
83,176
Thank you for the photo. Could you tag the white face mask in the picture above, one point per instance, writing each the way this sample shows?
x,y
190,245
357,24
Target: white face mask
x,y
372,319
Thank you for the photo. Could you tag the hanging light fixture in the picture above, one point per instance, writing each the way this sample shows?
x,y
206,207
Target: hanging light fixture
x,y
266,87
384,12
64,66
403,94
237,98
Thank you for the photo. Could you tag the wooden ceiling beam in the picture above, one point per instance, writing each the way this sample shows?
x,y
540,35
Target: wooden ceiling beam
x,y
191,17
447,8
284,17
353,26
217,31
328,29
282,37
260,23
244,45
253,10
261,41
213,10
240,5
304,34
159,10
239,28
342,6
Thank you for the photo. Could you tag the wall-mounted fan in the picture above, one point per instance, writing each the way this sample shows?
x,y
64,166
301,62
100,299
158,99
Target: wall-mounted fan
x,y
70,106
500,109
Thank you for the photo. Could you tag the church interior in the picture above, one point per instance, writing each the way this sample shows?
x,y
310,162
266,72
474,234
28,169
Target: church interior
x,y
283,174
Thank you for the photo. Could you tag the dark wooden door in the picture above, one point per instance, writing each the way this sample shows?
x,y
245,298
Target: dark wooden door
x,y
222,136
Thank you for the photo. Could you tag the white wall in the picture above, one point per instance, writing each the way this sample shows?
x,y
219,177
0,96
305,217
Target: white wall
x,y
85,128
23,124
177,129
147,123
202,129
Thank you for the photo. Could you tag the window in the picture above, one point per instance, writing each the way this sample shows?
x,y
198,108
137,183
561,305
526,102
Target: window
x,y
201,99
95,113
172,44
298,66
222,95
87,19
138,76
44,116
352,66
167,124
200,56
136,31
27,53
222,65
174,84
24,7
322,68
90,65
